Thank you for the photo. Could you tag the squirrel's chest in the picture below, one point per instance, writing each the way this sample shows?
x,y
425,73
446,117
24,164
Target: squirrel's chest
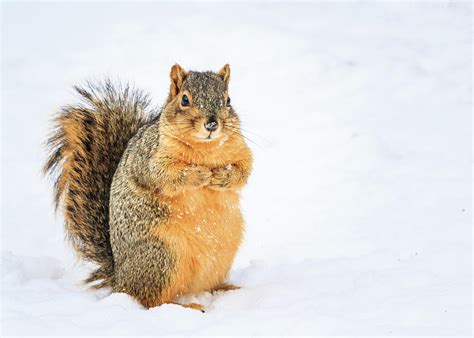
x,y
204,230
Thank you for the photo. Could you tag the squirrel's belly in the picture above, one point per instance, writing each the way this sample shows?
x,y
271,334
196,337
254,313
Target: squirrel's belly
x,y
204,229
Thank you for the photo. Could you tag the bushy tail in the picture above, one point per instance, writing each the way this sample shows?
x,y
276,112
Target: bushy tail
x,y
85,149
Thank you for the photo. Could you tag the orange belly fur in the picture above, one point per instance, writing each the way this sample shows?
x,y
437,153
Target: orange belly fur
x,y
204,231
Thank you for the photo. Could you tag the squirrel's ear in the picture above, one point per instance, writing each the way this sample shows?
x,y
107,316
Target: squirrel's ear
x,y
177,76
224,73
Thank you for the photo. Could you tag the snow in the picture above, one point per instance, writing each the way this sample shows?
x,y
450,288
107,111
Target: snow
x,y
359,208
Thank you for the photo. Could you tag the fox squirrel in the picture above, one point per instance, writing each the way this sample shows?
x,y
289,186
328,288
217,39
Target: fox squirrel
x,y
153,197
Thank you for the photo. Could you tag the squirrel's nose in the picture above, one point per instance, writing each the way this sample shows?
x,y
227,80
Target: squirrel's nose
x,y
211,124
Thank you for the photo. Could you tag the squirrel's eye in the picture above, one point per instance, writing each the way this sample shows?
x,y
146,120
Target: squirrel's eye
x,y
185,101
228,102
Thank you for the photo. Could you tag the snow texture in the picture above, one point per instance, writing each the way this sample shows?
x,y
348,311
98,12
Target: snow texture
x,y
359,208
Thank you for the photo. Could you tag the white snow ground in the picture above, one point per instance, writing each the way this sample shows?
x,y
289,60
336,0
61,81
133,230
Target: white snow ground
x,y
359,208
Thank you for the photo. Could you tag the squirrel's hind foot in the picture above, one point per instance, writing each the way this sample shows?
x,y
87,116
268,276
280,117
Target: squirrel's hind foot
x,y
194,306
225,287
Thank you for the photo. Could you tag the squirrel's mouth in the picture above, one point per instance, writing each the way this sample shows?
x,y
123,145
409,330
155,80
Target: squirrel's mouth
x,y
209,136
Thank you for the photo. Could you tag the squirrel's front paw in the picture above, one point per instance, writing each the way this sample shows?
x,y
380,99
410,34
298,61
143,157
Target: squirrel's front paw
x,y
197,176
223,178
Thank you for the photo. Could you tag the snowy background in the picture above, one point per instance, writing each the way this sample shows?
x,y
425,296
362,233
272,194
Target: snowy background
x,y
359,208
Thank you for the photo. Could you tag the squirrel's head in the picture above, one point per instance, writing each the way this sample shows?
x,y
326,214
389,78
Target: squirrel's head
x,y
198,106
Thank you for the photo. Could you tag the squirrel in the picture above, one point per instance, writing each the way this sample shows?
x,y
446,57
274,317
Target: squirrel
x,y
152,197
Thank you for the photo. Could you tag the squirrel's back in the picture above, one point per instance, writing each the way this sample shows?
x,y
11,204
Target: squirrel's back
x,y
85,148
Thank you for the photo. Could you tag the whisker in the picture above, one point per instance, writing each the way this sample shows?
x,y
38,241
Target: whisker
x,y
177,138
181,127
236,131
250,132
